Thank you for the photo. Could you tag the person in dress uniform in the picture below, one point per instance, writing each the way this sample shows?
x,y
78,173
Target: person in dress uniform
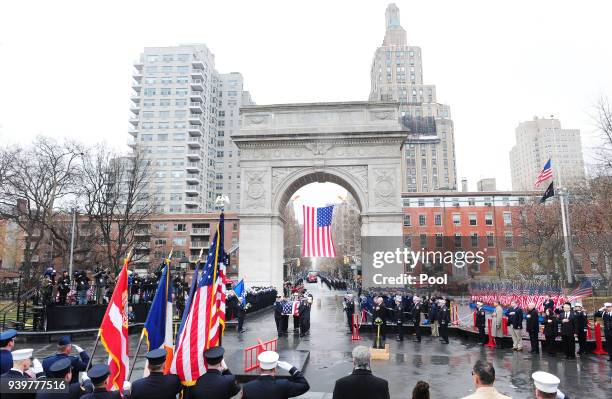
x,y
416,317
580,326
304,310
349,308
267,386
551,328
99,377
547,386
444,318
64,348
21,370
62,369
566,319
218,382
278,315
398,318
156,384
606,314
481,320
533,327
7,343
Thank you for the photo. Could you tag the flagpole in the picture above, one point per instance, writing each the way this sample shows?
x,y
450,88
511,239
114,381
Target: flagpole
x,y
136,355
94,351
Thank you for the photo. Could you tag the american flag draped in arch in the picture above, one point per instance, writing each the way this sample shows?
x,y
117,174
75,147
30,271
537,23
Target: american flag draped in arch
x,y
317,240
522,293
204,316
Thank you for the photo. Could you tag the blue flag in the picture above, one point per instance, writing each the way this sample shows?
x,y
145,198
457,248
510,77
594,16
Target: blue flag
x,y
240,291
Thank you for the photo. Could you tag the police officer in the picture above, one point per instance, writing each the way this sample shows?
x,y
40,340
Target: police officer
x,y
7,343
267,386
156,384
236,309
533,327
99,377
606,314
349,308
304,310
481,319
218,382
64,347
566,319
580,325
416,318
444,318
398,318
62,369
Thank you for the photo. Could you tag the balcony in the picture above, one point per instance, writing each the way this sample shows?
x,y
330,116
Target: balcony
x,y
194,258
134,120
194,142
192,188
200,231
135,99
199,245
196,96
142,245
193,166
195,119
142,259
192,178
136,86
138,65
196,107
194,155
192,202
133,132
132,144
137,76
197,64
195,130
135,108
197,84
197,74
141,232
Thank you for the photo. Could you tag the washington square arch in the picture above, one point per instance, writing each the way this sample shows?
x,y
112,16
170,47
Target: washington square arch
x,y
356,145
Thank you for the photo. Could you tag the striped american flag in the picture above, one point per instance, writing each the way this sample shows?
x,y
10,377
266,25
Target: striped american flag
x,y
545,174
318,241
204,317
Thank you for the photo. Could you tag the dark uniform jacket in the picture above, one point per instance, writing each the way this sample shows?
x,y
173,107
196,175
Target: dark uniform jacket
x,y
481,317
379,311
6,361
235,307
75,391
156,385
16,375
580,322
268,387
77,364
433,313
416,313
398,313
444,316
550,304
215,385
607,321
568,327
278,309
515,320
102,393
361,384
551,326
533,324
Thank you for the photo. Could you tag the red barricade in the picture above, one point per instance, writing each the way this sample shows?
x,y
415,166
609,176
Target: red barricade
x,y
251,353
505,325
599,350
491,343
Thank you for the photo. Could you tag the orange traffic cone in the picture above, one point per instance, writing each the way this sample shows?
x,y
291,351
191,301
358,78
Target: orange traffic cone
x,y
599,350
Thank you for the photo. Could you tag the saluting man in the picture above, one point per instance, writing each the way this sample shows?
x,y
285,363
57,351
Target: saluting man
x,y
267,386
156,384
218,382
63,369
606,313
64,348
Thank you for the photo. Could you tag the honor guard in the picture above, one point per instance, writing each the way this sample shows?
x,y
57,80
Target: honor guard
x,y
606,314
20,370
267,386
218,382
398,318
64,348
156,384
481,319
416,318
99,377
546,386
7,343
349,308
580,325
62,369
444,318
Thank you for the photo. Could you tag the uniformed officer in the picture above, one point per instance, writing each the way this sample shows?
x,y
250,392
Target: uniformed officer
x,y
278,315
606,314
546,386
444,318
20,370
99,377
156,384
62,368
533,327
580,325
304,310
267,386
64,348
7,343
481,319
398,318
349,308
416,317
218,382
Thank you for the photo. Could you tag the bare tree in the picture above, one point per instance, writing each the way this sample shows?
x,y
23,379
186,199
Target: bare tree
x,y
37,179
603,121
115,196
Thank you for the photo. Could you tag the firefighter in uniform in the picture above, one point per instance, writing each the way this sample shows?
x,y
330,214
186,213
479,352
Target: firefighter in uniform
x,y
218,382
444,318
481,319
156,384
398,318
416,318
99,377
606,314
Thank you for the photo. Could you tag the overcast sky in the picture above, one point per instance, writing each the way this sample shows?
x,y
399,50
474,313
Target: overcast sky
x,y
66,66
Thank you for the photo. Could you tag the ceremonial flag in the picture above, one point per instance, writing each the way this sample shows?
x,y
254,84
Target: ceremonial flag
x,y
203,324
240,292
583,290
550,191
158,326
318,240
290,308
114,331
545,174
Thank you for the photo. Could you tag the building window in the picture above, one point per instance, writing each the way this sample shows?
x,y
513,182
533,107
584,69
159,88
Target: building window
x,y
490,240
456,219
422,220
421,201
507,219
407,220
438,219
487,201
180,227
408,241
179,241
471,201
488,219
160,241
455,201
474,239
457,240
423,240
439,240
406,202
472,219
492,263
508,239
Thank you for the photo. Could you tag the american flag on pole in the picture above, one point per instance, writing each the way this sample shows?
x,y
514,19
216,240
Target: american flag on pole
x,y
203,324
545,174
317,240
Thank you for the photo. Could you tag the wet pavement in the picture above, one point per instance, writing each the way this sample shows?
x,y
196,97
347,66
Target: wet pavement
x,y
447,368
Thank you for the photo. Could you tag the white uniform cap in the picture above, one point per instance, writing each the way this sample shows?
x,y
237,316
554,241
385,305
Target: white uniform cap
x,y
545,382
267,360
607,304
22,354
577,304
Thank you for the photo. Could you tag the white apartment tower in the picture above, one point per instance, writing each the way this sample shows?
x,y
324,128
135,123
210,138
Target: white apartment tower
x,y
177,108
397,75
542,139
